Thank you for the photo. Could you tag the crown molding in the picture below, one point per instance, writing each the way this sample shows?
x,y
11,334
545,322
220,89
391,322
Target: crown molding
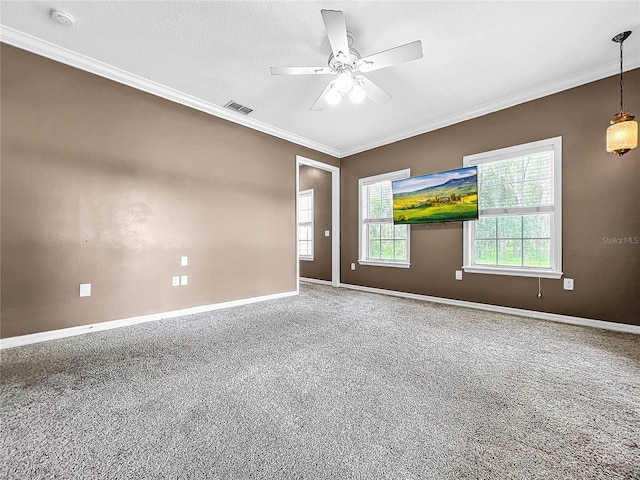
x,y
54,52
46,49
541,91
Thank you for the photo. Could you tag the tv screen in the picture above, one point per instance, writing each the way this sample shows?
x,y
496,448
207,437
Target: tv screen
x,y
450,196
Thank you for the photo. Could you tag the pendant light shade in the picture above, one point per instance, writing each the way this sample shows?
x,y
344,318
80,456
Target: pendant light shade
x,y
622,135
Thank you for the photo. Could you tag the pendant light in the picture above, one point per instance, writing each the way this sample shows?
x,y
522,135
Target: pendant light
x,y
622,135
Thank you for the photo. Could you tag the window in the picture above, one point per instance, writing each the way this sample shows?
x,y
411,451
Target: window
x,y
305,225
381,242
519,229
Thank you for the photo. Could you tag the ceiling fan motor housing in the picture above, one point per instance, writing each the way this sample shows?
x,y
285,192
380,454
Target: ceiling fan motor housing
x,y
337,66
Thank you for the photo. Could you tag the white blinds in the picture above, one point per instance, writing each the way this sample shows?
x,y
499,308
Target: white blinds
x,y
517,185
377,202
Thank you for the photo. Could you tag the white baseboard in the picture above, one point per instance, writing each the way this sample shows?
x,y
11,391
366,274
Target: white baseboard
x,y
554,317
21,340
315,280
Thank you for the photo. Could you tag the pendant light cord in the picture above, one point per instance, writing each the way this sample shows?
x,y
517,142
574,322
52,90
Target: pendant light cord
x,y
621,108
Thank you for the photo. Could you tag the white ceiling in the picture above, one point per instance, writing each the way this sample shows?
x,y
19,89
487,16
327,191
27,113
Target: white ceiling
x,y
479,57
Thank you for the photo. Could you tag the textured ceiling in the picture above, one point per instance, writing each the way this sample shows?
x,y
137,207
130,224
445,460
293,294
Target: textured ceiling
x,y
479,57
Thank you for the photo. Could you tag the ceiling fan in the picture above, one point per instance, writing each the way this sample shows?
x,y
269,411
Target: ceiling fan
x,y
346,63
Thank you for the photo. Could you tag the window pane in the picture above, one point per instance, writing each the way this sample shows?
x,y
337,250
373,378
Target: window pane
x,y
386,230
400,231
386,250
537,253
380,238
536,226
486,252
486,227
516,182
374,249
510,227
304,216
517,196
510,252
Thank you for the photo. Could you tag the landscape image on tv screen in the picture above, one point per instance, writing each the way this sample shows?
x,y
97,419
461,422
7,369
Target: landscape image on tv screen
x,y
450,196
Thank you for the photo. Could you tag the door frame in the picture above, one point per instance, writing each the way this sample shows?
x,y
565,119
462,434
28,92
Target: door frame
x,y
335,216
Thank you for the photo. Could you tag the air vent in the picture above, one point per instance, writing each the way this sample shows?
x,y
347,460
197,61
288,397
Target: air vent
x,y
236,107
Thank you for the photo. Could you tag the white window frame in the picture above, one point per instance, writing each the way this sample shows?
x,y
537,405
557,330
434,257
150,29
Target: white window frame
x,y
307,193
362,235
555,271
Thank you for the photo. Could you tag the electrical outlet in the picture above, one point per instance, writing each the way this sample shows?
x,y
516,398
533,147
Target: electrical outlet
x,y
175,281
458,274
85,289
353,266
327,233
184,279
568,283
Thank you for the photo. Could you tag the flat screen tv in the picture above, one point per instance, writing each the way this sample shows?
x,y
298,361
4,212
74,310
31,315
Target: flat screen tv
x,y
450,196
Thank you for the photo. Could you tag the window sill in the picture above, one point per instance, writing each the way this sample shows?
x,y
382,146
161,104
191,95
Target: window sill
x,y
374,263
306,259
514,272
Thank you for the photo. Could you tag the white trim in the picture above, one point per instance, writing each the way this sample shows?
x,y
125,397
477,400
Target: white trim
x,y
307,193
68,57
335,214
46,49
553,317
515,272
384,263
381,177
468,228
582,78
315,280
21,340
362,247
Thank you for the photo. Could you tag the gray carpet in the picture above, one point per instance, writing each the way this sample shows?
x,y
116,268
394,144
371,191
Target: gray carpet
x,y
332,384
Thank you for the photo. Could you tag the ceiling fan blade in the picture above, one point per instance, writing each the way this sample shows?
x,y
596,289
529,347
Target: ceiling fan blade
x,y
393,56
337,32
301,70
374,92
320,103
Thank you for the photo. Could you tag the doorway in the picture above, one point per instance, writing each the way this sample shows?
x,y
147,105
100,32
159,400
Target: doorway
x,y
334,231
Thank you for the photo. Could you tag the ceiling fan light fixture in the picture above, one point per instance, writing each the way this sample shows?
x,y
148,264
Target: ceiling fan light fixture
x,y
333,96
344,82
357,93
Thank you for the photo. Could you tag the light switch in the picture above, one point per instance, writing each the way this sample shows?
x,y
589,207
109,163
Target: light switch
x,y
568,284
184,279
353,266
458,274
85,289
184,261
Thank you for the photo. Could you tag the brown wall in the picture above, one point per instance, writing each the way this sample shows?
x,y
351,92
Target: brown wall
x,y
320,181
600,200
107,185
